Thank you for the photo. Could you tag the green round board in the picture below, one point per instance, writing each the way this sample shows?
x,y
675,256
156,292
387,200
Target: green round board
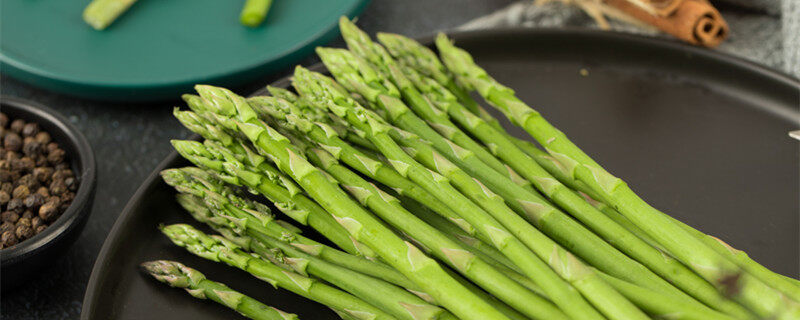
x,y
158,49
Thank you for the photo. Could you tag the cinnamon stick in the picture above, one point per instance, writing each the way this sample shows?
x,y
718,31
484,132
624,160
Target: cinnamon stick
x,y
694,21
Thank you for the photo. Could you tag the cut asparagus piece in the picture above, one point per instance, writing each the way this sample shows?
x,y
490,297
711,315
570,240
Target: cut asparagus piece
x,y
178,275
254,12
101,13
403,256
216,248
318,90
721,272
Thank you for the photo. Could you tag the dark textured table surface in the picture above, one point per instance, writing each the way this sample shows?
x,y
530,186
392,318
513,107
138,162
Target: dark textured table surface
x,y
129,140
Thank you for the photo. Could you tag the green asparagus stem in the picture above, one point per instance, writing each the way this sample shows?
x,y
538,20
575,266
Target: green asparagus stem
x,y
317,89
724,274
327,137
180,276
502,145
389,209
389,298
262,177
219,249
254,12
101,13
663,306
257,223
401,255
604,297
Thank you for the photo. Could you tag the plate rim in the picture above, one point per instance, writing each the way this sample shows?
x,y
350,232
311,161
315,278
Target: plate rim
x,y
127,212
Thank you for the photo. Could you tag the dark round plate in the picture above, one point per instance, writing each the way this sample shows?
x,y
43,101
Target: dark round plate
x,y
699,134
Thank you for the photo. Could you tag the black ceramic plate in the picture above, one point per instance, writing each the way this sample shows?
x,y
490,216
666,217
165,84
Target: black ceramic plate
x,y
701,135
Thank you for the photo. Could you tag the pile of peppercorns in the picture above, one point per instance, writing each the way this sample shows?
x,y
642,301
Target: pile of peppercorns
x,y
36,182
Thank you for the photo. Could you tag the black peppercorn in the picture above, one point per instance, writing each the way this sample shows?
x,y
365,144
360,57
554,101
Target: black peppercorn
x,y
56,156
6,226
7,187
24,232
21,192
12,142
42,174
3,120
17,125
36,222
5,175
34,200
41,228
44,192
28,214
62,174
15,204
24,222
43,138
57,187
9,216
48,210
30,147
30,129
9,239
4,197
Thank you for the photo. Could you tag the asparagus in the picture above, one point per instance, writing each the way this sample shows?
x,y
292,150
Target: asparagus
x,y
389,209
721,272
381,87
391,299
219,249
254,12
180,276
316,87
327,137
266,180
259,224
502,145
663,306
101,13
403,256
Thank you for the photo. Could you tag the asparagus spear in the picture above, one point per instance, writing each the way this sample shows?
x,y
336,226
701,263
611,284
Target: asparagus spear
x,y
180,276
101,13
219,249
316,87
269,182
389,298
389,209
258,229
291,116
254,12
503,146
401,255
724,274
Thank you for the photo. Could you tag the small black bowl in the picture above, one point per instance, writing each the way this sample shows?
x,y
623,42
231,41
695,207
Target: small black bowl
x,y
28,257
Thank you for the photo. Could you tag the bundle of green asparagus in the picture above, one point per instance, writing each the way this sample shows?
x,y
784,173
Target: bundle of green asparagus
x,y
433,209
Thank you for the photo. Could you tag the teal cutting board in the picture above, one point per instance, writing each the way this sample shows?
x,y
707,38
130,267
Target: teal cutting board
x,y
159,48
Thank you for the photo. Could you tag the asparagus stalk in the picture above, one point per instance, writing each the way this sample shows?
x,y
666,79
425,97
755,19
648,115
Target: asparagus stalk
x,y
266,180
401,255
324,134
389,209
101,13
502,145
317,89
257,223
391,299
195,283
219,249
294,119
721,272
663,306
254,12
